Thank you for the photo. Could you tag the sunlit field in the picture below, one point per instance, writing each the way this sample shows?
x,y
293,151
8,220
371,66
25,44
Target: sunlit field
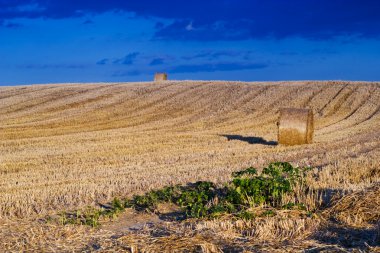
x,y
70,146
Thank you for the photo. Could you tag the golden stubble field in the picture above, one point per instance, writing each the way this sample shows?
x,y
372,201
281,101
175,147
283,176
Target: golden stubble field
x,y
64,147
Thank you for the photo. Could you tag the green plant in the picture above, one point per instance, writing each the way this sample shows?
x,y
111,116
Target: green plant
x,y
249,189
292,206
195,199
249,171
117,204
269,213
203,199
245,215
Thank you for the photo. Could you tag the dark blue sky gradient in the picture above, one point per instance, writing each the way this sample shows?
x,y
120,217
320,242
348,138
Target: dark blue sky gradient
x,y
48,41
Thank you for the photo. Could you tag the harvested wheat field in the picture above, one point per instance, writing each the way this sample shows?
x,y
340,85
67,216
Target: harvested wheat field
x,y
66,147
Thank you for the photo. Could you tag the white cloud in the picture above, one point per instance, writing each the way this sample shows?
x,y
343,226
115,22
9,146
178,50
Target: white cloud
x,y
190,27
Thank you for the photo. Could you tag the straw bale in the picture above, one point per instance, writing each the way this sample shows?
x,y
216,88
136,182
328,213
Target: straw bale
x,y
160,77
296,126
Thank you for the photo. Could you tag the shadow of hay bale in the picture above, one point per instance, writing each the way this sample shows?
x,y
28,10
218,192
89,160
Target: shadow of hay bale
x,y
249,139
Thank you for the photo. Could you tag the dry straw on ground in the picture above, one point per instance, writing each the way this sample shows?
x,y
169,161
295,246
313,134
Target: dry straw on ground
x,y
358,209
296,126
158,77
64,147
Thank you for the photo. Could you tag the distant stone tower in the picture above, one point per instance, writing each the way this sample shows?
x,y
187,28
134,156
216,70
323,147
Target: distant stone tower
x,y
158,77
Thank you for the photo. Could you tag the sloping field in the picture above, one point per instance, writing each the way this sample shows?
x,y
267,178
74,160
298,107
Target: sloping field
x,y
68,146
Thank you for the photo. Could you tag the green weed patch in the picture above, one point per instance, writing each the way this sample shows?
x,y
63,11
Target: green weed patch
x,y
202,199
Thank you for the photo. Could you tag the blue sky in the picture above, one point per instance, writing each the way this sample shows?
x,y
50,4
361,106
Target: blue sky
x,y
51,41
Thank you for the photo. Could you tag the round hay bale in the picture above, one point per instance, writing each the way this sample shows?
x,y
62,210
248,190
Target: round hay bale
x,y
295,126
160,77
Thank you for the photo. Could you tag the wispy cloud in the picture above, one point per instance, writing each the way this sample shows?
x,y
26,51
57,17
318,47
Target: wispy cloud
x,y
53,66
11,25
156,62
88,22
216,67
127,73
224,20
129,59
217,54
103,61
